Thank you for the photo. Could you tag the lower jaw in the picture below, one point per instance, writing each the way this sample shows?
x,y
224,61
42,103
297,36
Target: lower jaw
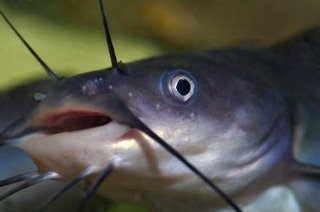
x,y
70,152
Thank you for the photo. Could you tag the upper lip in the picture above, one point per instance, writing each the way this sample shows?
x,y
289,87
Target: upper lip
x,y
59,120
72,120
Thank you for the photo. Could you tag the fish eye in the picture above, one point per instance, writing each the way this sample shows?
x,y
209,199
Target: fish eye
x,y
181,87
180,84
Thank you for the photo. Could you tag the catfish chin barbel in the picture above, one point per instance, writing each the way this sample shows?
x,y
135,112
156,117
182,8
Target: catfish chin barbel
x,y
237,119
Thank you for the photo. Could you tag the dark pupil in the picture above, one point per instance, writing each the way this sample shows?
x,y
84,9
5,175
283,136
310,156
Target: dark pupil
x,y
183,87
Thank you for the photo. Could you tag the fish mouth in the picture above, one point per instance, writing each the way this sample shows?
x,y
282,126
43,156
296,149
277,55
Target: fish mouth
x,y
69,139
72,120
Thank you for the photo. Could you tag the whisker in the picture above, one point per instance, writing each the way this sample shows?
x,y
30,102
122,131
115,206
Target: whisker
x,y
14,124
83,174
49,71
107,34
11,126
196,171
19,178
118,66
5,139
134,121
29,183
93,188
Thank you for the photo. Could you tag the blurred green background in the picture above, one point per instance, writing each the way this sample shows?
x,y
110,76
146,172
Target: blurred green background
x,y
69,36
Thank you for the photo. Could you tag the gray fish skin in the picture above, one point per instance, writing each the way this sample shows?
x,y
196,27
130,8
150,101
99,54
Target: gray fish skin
x,y
14,104
297,73
299,79
250,110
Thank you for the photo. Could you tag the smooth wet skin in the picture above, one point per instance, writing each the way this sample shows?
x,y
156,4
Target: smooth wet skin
x,y
234,118
236,128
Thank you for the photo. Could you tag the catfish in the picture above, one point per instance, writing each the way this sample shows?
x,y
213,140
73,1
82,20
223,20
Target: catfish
x,y
225,129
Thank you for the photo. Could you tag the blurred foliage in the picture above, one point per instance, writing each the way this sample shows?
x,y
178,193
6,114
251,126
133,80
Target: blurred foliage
x,y
68,33
187,23
67,47
100,204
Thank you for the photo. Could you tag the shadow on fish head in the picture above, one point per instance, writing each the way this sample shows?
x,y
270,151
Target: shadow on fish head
x,y
219,113
160,121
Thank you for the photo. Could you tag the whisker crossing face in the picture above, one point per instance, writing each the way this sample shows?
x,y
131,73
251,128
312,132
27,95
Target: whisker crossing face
x,y
132,120
18,178
30,182
196,131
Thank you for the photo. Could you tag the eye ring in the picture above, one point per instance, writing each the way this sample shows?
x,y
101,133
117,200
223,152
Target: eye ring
x,y
181,87
178,86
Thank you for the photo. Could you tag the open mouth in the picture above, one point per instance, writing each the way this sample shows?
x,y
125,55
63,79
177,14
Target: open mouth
x,y
70,123
73,120
67,140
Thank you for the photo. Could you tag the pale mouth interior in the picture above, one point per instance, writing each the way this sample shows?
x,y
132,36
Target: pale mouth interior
x,y
82,137
73,120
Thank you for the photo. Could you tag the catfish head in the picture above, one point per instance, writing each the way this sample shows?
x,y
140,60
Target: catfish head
x,y
161,130
225,119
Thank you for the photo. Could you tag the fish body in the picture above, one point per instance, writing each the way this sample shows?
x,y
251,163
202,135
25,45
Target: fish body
x,y
246,118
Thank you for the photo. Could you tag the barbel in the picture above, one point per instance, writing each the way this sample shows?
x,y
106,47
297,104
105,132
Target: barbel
x,y
228,116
